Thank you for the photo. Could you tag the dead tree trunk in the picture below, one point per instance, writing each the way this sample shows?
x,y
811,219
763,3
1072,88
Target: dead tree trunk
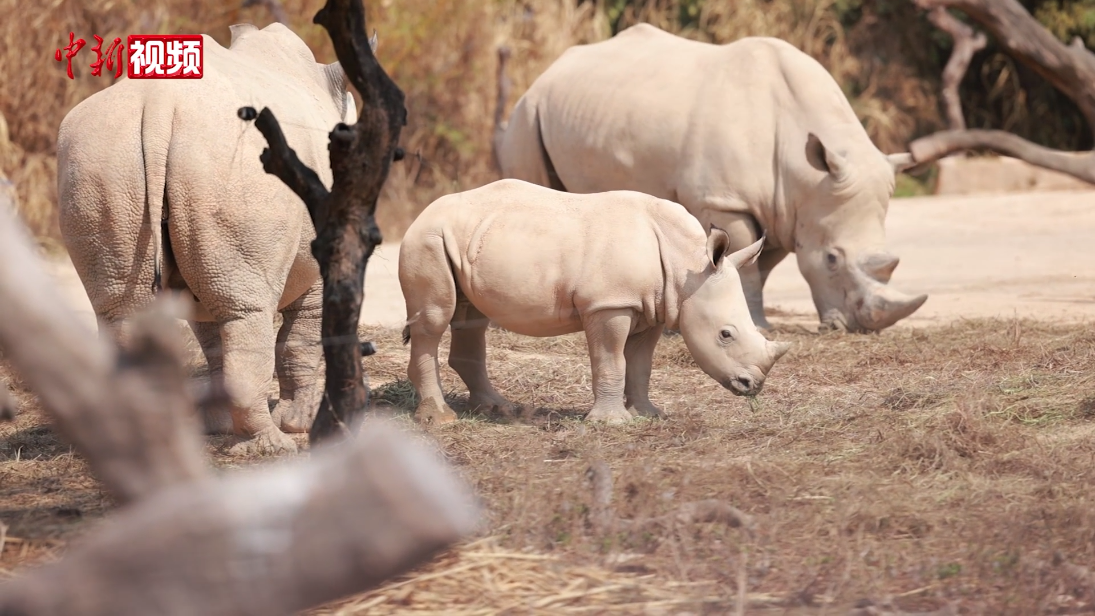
x,y
270,542
346,231
504,87
1070,68
966,44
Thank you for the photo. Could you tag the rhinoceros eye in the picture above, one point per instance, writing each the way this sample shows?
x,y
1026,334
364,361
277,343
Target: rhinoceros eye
x,y
726,334
831,258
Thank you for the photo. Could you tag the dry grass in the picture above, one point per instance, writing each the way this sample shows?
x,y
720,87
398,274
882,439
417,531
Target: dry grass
x,y
931,466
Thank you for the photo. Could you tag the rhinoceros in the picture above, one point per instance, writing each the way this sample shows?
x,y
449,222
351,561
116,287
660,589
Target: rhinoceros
x,y
160,183
618,265
754,136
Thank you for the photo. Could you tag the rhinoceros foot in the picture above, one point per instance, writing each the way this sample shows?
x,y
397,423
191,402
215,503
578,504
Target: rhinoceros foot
x,y
268,442
434,412
646,409
295,416
610,415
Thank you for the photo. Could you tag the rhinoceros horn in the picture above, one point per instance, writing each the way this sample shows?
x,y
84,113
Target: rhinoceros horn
x,y
879,266
885,306
777,350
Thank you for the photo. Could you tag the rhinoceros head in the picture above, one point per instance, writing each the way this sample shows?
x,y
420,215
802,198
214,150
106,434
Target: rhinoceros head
x,y
840,241
716,325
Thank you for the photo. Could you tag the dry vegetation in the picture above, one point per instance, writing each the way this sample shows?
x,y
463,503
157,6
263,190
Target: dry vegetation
x,y
925,466
442,54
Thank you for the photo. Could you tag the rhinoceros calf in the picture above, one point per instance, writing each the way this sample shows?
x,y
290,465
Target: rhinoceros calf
x,y
160,181
618,265
755,137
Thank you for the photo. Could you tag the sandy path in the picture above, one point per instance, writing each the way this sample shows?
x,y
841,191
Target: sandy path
x,y
1031,255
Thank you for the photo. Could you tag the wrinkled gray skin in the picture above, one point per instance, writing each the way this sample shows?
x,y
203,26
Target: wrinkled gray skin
x,y
237,240
619,266
754,137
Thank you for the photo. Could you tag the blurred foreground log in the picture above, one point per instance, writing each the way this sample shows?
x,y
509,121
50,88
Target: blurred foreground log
x,y
1070,68
346,231
129,414
266,543
270,541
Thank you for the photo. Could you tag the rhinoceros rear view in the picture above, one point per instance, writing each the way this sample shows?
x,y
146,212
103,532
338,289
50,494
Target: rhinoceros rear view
x,y
755,137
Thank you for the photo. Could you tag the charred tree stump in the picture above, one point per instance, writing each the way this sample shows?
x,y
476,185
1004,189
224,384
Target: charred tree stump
x,y
346,231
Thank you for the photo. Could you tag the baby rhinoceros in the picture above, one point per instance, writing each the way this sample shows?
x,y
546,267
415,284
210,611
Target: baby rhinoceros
x,y
619,265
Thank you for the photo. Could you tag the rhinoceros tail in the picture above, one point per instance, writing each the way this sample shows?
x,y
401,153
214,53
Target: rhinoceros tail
x,y
406,334
554,182
154,149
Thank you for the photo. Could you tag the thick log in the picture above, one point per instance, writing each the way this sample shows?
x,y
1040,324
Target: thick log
x,y
1070,68
966,44
129,414
264,543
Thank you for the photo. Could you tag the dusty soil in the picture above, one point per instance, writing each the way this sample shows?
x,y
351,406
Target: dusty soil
x,y
943,462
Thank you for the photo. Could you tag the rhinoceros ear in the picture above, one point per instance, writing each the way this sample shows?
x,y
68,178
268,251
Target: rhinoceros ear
x,y
826,159
238,30
747,255
718,245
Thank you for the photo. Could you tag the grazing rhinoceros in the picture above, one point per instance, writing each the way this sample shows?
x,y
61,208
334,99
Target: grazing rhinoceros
x,y
150,162
754,137
538,262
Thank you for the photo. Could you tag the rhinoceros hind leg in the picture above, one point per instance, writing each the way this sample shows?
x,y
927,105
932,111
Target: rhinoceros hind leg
x,y
639,355
299,362
424,372
217,419
248,371
468,357
606,334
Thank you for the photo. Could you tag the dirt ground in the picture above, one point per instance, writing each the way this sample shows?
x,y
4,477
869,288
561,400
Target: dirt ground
x,y
944,462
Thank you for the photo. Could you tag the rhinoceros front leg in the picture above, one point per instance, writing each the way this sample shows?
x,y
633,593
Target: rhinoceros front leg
x,y
606,334
299,362
248,371
217,419
468,357
639,355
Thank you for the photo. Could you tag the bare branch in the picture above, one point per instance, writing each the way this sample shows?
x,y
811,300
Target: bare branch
x,y
938,145
270,543
128,413
1070,69
504,87
966,44
275,8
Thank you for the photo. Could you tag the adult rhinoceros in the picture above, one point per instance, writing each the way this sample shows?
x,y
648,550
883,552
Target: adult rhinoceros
x,y
753,137
159,180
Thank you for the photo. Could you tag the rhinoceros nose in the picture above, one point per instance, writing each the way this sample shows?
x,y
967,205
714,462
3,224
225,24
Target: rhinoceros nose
x,y
743,385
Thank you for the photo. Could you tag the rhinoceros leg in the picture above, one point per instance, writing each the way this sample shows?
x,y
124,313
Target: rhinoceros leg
x,y
248,343
606,334
299,361
468,357
639,355
217,420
